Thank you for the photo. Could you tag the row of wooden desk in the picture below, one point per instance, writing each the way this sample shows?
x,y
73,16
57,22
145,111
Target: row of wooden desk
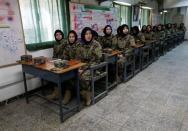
x,y
48,72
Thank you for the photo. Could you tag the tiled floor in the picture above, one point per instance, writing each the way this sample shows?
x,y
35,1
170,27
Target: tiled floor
x,y
154,100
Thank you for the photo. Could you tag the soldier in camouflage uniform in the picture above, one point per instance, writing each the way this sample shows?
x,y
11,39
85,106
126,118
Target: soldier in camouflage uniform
x,y
59,44
174,30
168,30
90,52
138,36
106,43
149,35
57,53
118,31
182,29
106,40
96,36
154,29
69,53
123,43
159,34
70,46
144,27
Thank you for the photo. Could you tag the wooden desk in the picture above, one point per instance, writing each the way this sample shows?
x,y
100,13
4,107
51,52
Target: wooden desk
x,y
46,72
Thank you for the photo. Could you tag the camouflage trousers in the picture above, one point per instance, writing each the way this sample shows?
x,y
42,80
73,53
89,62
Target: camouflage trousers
x,y
85,79
121,67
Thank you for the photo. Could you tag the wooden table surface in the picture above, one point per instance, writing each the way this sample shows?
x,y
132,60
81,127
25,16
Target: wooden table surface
x,y
49,66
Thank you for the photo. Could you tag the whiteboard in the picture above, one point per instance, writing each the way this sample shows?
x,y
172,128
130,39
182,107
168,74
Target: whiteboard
x,y
11,33
97,19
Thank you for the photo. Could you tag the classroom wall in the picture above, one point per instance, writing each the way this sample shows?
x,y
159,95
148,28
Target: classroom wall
x,y
150,3
11,80
172,5
175,3
91,2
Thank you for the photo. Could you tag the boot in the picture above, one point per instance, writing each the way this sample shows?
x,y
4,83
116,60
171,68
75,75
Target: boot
x,y
54,95
67,97
87,97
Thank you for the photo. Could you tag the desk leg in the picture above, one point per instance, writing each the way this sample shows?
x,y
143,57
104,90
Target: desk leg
x,y
25,86
60,100
116,66
42,88
77,89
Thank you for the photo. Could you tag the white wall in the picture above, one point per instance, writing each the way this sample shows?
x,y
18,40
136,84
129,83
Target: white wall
x,y
183,11
175,3
11,79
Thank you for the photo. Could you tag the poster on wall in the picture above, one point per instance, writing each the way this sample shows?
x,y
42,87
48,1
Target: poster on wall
x,y
96,18
136,11
11,33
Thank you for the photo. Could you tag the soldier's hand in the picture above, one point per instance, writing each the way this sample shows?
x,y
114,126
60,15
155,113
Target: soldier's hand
x,y
80,71
120,55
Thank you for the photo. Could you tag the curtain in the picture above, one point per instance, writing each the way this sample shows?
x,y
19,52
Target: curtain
x,y
124,14
40,19
145,17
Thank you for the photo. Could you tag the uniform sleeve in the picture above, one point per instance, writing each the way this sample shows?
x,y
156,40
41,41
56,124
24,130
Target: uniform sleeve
x,y
142,38
78,52
114,43
132,42
98,53
55,51
66,53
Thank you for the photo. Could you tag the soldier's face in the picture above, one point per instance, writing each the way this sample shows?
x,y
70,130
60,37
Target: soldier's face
x,y
58,36
71,38
144,27
159,27
108,30
148,28
88,36
125,30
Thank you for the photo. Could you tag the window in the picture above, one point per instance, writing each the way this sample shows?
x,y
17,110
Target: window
x,y
145,17
124,14
40,19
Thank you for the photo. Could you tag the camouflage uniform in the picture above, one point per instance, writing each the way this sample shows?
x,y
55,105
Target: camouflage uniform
x,y
149,35
139,39
160,35
70,51
106,41
168,32
90,54
123,44
59,48
182,31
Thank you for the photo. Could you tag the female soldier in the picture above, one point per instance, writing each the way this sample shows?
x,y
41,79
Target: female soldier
x,y
159,34
143,28
123,43
69,54
90,52
59,44
138,36
106,40
149,35
57,53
